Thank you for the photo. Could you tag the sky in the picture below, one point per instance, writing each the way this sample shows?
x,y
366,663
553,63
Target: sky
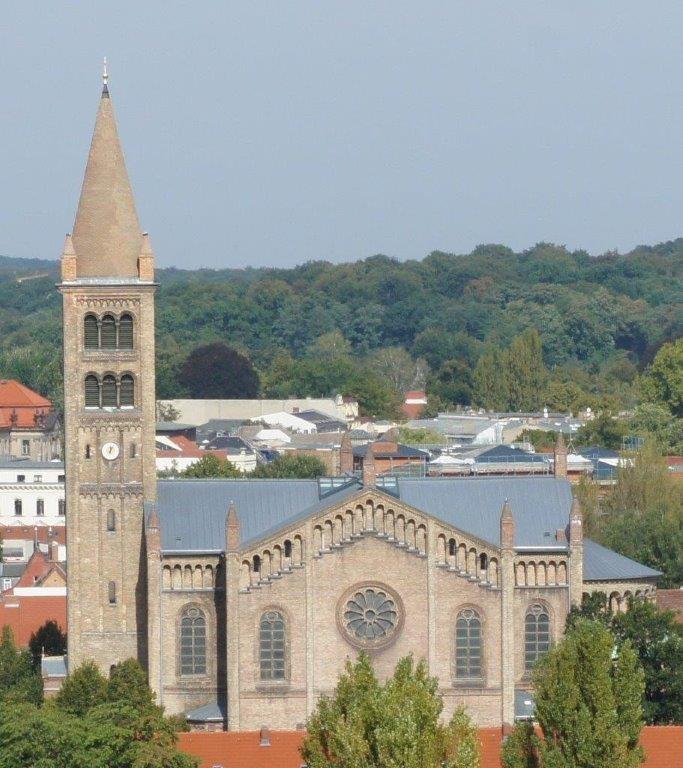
x,y
274,133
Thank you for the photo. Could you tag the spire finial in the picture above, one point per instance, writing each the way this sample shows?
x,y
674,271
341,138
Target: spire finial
x,y
105,74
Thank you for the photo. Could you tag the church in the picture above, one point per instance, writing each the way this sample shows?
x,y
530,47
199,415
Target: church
x,y
243,598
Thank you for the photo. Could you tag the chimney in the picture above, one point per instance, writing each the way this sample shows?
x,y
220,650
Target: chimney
x,y
369,472
346,455
560,457
265,737
54,551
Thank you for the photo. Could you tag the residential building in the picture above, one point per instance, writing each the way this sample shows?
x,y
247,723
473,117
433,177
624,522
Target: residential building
x,y
29,427
31,492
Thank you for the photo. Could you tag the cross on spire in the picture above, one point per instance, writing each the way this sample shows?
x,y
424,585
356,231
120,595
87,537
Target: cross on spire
x,y
105,76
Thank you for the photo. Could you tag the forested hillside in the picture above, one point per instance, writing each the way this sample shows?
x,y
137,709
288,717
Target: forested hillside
x,y
543,327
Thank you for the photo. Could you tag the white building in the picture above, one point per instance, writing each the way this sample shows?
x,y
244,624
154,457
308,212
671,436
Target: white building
x,y
31,492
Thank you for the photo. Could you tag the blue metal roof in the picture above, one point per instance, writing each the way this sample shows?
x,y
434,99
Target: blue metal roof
x,y
213,711
602,564
540,505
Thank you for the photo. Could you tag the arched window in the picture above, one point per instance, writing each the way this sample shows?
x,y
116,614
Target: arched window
x,y
126,332
256,564
192,642
108,332
468,645
109,392
111,592
92,391
272,646
91,332
127,393
536,635
451,548
111,520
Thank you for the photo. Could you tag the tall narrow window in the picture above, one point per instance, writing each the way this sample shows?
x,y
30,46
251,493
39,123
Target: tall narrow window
x,y
288,548
126,332
468,645
272,646
17,507
192,642
133,450
109,392
536,635
61,507
40,507
92,391
108,332
91,332
111,520
127,393
88,452
111,592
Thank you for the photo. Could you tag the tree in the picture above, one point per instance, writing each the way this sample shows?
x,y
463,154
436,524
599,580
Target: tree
x,y
48,640
397,724
218,371
657,638
604,430
211,466
594,607
19,681
663,380
524,371
128,685
398,369
654,421
490,388
588,706
83,689
291,465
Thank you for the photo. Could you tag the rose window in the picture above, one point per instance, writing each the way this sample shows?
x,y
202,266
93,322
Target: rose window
x,y
370,615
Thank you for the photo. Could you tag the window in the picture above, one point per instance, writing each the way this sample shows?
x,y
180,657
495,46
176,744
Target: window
x,y
92,392
256,564
17,507
108,332
111,520
133,450
536,635
451,548
37,478
21,478
468,645
40,507
272,646
127,393
25,447
192,642
288,548
126,332
91,332
88,452
61,478
109,392
111,592
61,507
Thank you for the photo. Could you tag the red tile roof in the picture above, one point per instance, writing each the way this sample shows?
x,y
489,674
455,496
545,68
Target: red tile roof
x,y
43,534
187,450
27,614
37,569
663,748
19,401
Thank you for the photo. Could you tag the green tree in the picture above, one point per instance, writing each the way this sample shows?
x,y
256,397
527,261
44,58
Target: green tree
x,y
291,465
397,724
663,380
83,689
588,705
211,466
594,607
48,640
490,384
128,685
654,421
19,680
525,372
218,371
604,430
657,639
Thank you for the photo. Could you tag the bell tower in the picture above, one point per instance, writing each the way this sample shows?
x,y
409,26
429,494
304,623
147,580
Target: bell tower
x,y
107,285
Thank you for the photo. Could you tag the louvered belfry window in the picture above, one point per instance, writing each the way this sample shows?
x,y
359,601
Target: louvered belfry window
x,y
109,392
127,393
108,332
92,392
91,332
126,332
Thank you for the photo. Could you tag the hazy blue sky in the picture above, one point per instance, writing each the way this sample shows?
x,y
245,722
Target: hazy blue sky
x,y
278,132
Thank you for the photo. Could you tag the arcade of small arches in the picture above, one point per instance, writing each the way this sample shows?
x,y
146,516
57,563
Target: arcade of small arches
x,y
187,576
110,390
540,573
108,331
618,600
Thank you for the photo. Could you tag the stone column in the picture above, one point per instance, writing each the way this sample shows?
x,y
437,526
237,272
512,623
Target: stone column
x,y
232,586
153,547
575,553
507,584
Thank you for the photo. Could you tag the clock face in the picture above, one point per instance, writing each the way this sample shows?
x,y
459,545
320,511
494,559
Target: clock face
x,y
110,451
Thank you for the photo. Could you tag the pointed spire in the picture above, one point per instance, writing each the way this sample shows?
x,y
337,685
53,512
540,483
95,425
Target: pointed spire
x,y
507,527
106,235
232,529
69,262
